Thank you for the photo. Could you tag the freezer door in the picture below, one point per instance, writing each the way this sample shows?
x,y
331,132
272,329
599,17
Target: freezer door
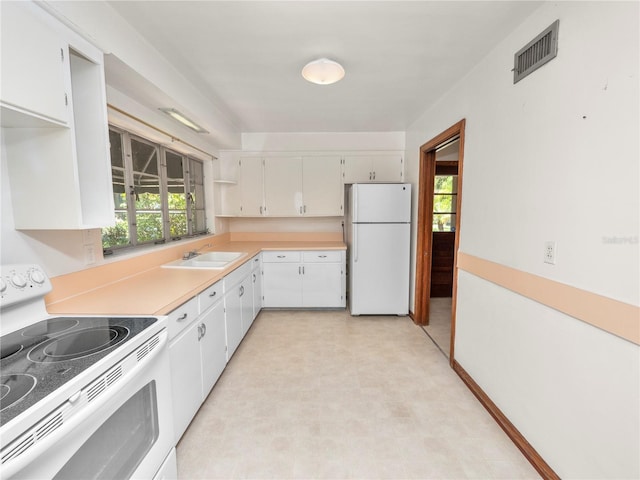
x,y
379,269
380,202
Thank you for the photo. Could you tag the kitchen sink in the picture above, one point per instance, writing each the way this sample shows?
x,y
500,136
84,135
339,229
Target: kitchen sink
x,y
214,260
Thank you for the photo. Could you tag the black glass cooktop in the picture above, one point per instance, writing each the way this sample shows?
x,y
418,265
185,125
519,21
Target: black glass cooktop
x,y
38,359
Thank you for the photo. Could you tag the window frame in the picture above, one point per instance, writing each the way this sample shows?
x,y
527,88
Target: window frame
x,y
126,138
446,169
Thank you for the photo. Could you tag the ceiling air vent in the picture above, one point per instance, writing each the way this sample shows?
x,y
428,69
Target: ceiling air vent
x,y
536,53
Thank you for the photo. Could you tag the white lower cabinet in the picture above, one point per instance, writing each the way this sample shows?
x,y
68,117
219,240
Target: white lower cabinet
x,y
233,314
238,300
198,353
282,285
306,279
256,279
321,285
213,345
186,375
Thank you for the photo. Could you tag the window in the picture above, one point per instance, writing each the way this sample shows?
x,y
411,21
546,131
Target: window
x,y
444,203
158,193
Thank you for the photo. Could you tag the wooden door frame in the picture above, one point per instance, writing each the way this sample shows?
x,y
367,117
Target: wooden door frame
x,y
424,241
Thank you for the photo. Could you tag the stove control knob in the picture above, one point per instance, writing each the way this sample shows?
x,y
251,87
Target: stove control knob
x,y
18,281
3,285
37,276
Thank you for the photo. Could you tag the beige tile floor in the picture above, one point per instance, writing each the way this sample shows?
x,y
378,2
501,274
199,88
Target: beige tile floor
x,y
439,328
323,395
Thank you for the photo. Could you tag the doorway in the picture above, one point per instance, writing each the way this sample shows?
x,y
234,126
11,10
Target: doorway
x,y
440,188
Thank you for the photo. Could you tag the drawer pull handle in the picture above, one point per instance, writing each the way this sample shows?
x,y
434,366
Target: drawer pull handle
x,y
322,256
182,317
282,256
256,259
213,294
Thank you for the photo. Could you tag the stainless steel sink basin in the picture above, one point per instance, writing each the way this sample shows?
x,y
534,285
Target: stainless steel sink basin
x,y
214,260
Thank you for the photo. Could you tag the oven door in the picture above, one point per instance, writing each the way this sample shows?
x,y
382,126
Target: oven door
x,y
126,433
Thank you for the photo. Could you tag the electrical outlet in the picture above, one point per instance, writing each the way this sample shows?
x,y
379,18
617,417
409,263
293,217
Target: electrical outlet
x,y
550,252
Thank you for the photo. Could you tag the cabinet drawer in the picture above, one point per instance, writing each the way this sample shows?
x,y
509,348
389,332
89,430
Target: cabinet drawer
x,y
182,316
210,296
281,257
317,256
236,276
255,262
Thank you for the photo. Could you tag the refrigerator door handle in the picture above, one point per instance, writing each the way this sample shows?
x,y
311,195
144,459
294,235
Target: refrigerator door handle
x,y
354,205
355,243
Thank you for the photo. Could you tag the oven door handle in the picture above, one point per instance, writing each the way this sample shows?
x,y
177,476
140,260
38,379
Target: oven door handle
x,y
41,446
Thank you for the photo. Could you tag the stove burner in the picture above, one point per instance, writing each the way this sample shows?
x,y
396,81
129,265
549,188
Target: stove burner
x,y
8,350
55,325
14,388
78,344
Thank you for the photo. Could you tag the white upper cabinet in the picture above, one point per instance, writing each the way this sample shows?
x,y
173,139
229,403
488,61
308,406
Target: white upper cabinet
x,y
244,195
30,46
283,186
373,168
322,186
251,187
58,159
301,185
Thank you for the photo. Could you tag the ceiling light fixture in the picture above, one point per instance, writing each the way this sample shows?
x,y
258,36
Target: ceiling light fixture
x,y
176,115
323,71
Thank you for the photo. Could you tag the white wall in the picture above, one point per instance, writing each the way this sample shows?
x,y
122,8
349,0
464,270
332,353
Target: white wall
x,y
310,141
554,157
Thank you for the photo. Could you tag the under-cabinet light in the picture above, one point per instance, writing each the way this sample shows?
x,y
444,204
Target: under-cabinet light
x,y
176,115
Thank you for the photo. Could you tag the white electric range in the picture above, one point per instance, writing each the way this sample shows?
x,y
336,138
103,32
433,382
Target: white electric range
x,y
80,396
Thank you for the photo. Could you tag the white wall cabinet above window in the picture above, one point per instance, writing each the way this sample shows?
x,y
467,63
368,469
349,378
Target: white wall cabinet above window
x,y
373,168
59,169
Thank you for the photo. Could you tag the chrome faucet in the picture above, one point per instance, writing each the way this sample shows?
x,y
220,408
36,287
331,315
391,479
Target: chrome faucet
x,y
194,253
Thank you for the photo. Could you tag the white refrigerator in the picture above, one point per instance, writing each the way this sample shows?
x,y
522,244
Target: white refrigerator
x,y
378,225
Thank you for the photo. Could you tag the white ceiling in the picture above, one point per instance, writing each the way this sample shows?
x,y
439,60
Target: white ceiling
x,y
399,56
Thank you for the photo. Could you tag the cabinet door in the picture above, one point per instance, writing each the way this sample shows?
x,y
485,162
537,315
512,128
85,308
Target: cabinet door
x,y
322,186
256,278
186,378
251,186
322,285
233,319
387,168
357,169
229,187
213,345
246,299
283,186
282,285
33,63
